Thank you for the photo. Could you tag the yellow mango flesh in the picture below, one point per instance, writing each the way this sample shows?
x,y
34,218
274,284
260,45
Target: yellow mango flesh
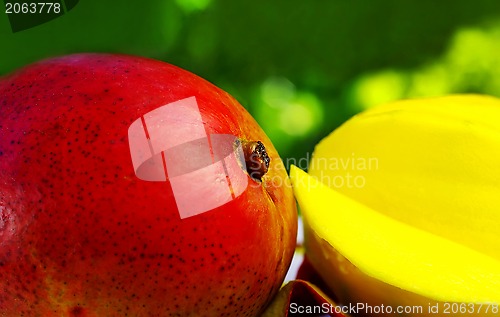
x,y
407,207
431,163
394,252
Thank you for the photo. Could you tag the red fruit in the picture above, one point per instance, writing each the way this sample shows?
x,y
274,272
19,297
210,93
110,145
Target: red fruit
x,y
89,223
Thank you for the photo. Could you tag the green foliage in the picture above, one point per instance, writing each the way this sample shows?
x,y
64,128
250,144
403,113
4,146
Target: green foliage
x,y
300,67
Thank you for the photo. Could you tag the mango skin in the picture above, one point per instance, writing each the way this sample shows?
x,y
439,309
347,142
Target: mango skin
x,y
81,235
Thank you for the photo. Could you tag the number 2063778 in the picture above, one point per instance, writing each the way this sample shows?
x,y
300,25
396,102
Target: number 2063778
x,y
32,7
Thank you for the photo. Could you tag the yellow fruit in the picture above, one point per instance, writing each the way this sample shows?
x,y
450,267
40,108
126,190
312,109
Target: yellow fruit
x,y
413,209
431,163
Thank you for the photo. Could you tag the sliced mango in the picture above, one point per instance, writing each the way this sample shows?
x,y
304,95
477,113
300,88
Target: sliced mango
x,y
402,207
392,251
433,164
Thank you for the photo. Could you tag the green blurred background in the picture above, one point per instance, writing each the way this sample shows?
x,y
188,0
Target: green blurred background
x,y
301,67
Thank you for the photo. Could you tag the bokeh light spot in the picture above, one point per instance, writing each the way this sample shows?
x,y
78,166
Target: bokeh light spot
x,y
433,80
296,119
277,92
189,6
373,89
301,116
287,113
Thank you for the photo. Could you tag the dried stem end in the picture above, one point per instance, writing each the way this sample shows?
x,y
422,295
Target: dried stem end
x,y
256,159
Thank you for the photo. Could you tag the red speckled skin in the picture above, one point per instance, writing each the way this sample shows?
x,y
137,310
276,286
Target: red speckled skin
x,y
81,235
